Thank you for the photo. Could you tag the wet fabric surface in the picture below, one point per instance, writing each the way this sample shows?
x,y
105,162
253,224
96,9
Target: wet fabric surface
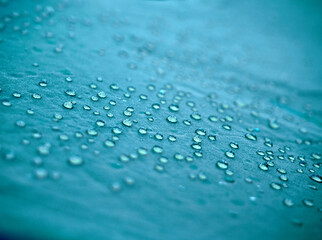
x,y
160,119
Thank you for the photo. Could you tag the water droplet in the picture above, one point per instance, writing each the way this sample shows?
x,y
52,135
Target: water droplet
x,y
44,149
157,149
158,136
201,132
163,160
75,161
316,156
226,127
116,187
288,202
178,156
159,167
116,130
283,178
129,181
197,139
202,176
212,137
101,94
71,93
127,122
251,136
41,173
92,132
213,119
36,96
172,119
276,186
16,95
186,122
156,106
142,151
195,116
273,125
316,178
222,164
100,123
68,105
143,131
174,108
124,158
6,103
172,138
263,166
143,97
234,145
308,202
20,123
114,86
230,154
109,143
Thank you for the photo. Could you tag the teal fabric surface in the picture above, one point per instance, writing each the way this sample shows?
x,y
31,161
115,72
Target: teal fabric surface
x,y
160,120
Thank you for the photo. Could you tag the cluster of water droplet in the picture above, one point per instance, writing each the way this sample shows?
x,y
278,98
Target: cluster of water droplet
x,y
178,121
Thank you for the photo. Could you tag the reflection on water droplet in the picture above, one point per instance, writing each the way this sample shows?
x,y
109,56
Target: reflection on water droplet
x,y
172,138
157,149
109,143
36,96
116,130
195,116
288,202
142,131
234,145
276,186
222,164
273,125
263,166
174,108
75,161
68,105
129,181
116,187
41,173
316,178
308,202
172,119
142,151
202,176
251,136
6,103
127,122
230,154
100,123
124,158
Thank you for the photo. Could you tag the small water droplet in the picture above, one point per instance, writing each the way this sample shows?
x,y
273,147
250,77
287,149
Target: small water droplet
x,y
127,122
109,143
230,154
276,186
308,202
288,202
75,161
172,119
68,105
316,178
222,164
251,136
